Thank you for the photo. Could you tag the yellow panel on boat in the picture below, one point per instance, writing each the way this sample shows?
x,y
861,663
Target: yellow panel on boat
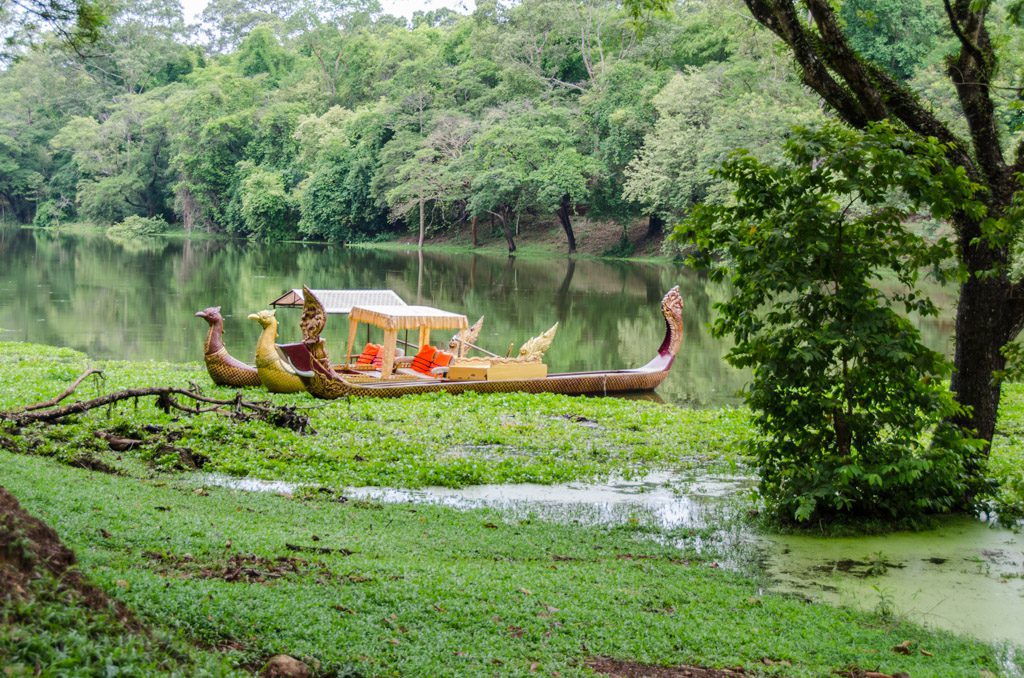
x,y
477,372
505,371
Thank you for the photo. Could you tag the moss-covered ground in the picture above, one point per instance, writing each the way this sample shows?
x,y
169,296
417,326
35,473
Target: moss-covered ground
x,y
434,439
225,579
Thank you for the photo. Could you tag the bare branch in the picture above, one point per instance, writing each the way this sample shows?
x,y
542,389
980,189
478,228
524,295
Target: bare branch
x,y
570,85
68,391
47,412
954,24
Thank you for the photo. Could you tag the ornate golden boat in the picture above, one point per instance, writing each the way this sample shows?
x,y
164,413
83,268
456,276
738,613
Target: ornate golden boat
x,y
224,369
311,363
275,372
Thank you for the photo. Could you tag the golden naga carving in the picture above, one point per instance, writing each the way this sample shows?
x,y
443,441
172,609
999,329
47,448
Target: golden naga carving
x,y
276,373
313,319
465,339
530,352
535,348
224,369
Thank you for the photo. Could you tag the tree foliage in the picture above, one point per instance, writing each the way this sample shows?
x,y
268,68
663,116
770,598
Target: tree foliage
x,y
860,91
526,112
895,34
850,405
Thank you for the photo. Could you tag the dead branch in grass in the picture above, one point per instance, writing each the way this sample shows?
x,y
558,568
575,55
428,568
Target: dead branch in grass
x,y
167,399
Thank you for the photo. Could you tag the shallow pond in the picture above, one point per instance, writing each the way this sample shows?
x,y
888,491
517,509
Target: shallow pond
x,y
136,300
966,577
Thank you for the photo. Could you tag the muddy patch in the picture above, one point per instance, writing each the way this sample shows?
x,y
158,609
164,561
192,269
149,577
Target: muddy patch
x,y
626,669
30,549
90,463
245,568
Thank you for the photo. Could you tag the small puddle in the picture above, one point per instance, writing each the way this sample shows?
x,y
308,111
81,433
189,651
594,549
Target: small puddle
x,y
967,576
663,501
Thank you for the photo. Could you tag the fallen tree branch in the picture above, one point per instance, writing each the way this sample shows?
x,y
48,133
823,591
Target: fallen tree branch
x,y
284,416
68,391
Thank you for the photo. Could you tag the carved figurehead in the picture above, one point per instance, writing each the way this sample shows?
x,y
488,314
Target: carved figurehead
x,y
312,323
672,309
464,339
535,348
224,369
276,373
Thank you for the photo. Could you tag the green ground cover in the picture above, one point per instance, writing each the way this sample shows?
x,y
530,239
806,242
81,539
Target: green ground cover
x,y
226,579
54,634
434,439
417,441
358,588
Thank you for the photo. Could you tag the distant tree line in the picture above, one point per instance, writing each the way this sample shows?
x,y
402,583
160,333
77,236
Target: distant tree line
x,y
327,119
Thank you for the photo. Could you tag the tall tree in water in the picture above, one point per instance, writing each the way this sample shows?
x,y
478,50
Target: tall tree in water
x,y
990,312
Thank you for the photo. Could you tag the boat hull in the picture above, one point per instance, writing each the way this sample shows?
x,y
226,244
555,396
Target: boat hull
x,y
226,370
569,383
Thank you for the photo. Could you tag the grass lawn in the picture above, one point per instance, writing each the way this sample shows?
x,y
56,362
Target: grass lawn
x,y
370,589
225,579
432,439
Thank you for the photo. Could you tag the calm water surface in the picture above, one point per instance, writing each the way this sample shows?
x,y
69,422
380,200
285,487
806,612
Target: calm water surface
x,y
136,301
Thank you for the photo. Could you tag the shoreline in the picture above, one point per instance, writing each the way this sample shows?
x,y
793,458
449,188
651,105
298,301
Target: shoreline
x,y
535,243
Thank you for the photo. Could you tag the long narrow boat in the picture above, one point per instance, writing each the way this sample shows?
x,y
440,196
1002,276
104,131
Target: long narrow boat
x,y
310,360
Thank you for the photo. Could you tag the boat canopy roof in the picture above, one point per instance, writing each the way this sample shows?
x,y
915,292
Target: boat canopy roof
x,y
341,301
408,317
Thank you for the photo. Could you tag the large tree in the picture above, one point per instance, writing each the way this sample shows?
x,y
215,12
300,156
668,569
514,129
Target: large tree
x,y
990,312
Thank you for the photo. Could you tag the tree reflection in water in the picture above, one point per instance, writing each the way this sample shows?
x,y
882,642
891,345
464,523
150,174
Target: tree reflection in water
x,y
114,299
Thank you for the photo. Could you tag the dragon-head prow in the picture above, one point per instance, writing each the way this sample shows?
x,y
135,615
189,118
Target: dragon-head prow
x,y
314,318
672,309
672,303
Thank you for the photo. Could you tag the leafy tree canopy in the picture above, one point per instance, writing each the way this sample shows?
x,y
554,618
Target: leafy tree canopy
x,y
849,403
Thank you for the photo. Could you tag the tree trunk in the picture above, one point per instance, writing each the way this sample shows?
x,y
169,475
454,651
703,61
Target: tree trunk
x,y
472,231
506,228
563,216
980,336
655,226
422,225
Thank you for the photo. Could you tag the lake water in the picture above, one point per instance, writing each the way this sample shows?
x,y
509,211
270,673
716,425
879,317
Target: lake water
x,y
136,301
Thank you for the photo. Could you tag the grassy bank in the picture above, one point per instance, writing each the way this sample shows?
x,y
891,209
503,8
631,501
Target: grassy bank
x,y
357,588
225,579
434,439
596,240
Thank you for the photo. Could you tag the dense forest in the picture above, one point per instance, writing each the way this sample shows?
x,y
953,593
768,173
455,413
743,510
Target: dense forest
x,y
331,120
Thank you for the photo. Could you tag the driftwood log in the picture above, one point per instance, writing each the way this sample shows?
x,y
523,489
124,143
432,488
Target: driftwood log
x,y
167,399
